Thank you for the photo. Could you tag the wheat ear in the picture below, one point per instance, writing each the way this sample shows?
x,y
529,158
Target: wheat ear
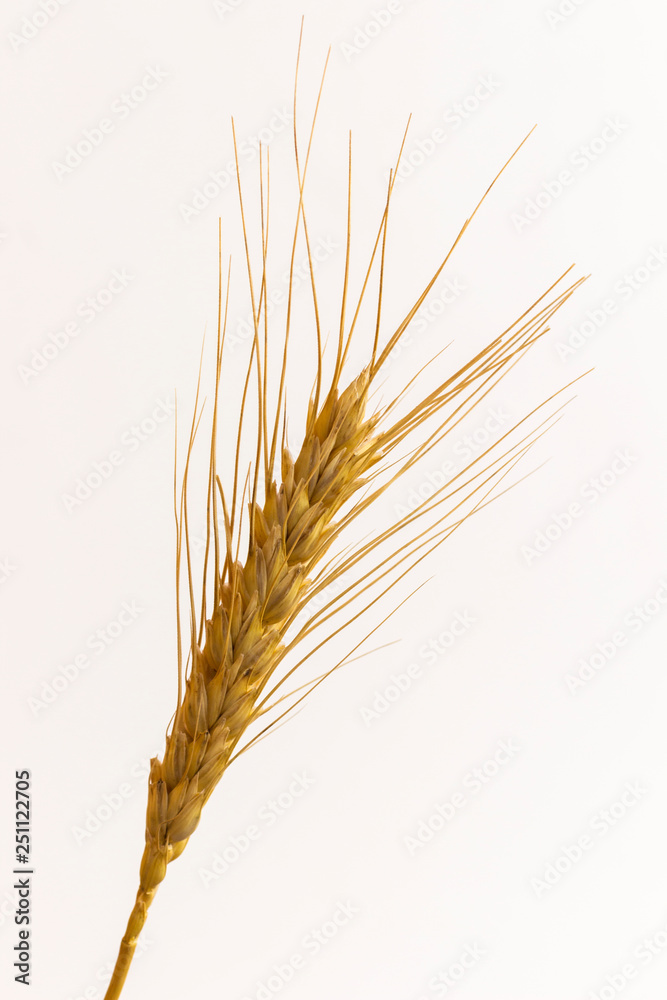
x,y
348,457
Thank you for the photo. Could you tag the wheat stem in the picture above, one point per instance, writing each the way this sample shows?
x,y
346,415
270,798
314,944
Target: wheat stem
x,y
128,943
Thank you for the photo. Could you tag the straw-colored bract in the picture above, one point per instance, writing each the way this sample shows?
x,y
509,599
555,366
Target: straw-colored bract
x,y
242,651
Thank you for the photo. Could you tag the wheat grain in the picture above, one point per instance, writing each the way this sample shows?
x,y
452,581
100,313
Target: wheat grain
x,y
347,448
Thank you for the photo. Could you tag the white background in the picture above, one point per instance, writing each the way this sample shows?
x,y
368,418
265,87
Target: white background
x,y
66,573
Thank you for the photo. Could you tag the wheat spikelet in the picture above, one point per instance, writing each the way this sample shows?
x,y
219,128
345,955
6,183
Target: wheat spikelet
x,y
349,455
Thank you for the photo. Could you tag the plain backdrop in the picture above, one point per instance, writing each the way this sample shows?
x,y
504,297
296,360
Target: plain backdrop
x,y
356,852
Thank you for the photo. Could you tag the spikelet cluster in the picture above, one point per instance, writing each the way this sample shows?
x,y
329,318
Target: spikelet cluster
x,y
243,644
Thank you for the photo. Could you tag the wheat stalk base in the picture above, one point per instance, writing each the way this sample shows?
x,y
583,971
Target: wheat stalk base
x,y
129,943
